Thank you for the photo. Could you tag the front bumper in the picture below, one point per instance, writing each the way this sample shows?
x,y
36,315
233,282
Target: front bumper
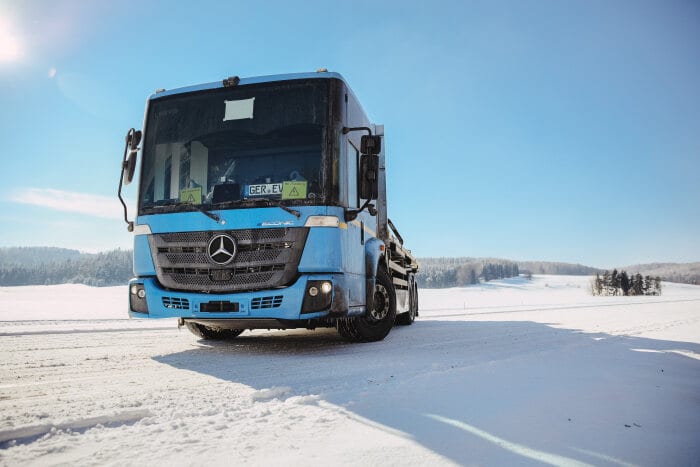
x,y
276,304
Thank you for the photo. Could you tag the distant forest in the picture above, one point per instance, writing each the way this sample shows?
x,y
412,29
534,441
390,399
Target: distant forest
x,y
561,269
686,273
436,273
458,272
47,265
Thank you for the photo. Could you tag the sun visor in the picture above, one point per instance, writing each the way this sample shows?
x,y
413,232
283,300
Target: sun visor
x,y
239,110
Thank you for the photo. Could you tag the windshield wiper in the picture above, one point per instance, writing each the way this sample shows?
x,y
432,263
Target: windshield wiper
x,y
274,202
206,212
254,201
175,206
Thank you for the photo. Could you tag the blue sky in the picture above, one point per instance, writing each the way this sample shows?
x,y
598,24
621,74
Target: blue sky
x,y
549,130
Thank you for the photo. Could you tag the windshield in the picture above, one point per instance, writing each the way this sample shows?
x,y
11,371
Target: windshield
x,y
233,146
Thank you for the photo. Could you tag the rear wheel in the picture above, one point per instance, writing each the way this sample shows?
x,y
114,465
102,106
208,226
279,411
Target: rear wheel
x,y
377,322
409,317
209,333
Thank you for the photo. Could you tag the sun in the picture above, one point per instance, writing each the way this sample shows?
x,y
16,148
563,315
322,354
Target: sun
x,y
10,48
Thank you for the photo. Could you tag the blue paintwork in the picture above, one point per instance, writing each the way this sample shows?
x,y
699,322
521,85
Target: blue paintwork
x,y
320,260
143,262
250,218
290,309
373,253
250,80
320,254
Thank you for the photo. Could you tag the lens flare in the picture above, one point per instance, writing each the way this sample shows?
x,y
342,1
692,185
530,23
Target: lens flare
x,y
10,48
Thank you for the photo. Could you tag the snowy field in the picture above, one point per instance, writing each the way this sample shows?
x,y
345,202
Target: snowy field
x,y
513,372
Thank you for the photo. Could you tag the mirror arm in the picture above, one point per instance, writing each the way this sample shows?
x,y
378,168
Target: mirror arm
x,y
129,139
351,214
347,130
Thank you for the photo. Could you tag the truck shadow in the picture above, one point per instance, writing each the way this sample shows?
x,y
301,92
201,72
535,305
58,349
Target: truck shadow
x,y
494,393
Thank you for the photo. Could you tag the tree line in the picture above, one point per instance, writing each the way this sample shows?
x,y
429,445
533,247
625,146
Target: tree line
x,y
559,269
620,283
46,266
437,273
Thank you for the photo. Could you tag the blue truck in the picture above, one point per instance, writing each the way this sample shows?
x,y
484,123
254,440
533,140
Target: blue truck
x,y
262,205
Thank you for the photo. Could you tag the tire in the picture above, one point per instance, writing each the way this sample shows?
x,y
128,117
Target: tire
x,y
376,324
407,318
415,295
207,333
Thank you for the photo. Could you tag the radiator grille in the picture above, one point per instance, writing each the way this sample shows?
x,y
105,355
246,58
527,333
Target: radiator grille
x,y
176,303
265,258
259,303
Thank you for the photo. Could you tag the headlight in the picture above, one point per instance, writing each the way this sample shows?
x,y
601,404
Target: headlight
x,y
326,287
322,221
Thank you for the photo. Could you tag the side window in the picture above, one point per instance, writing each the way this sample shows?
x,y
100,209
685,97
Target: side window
x,y
352,162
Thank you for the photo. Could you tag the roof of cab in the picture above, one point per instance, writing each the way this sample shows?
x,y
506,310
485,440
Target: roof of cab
x,y
251,80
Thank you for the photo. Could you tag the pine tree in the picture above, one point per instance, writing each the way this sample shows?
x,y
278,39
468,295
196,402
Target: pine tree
x,y
486,272
657,285
638,285
597,285
615,282
624,283
607,283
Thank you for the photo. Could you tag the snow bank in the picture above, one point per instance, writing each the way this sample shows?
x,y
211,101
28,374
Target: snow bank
x,y
62,302
511,372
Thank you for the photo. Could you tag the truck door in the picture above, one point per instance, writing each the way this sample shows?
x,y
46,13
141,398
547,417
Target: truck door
x,y
353,244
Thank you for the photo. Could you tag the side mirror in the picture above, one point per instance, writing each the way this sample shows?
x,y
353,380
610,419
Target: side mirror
x,y
129,167
368,184
370,144
133,138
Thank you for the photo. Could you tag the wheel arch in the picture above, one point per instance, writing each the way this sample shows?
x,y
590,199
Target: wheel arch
x,y
374,257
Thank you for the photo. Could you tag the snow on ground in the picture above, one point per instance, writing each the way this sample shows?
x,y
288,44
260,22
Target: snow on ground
x,y
512,372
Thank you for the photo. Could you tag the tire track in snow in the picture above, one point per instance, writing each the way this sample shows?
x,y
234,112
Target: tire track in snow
x,y
82,331
29,434
519,309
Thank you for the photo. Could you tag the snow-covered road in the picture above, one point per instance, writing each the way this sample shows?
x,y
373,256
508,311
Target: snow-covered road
x,y
508,373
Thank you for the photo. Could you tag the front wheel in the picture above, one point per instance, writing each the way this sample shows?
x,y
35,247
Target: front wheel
x,y
209,333
377,322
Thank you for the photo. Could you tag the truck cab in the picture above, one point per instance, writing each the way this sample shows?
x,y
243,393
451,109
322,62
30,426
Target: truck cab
x,y
262,204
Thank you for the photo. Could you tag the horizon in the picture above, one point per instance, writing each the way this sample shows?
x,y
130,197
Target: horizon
x,y
566,132
478,258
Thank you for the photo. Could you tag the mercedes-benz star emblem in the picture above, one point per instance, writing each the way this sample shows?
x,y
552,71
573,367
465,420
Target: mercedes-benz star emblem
x,y
221,249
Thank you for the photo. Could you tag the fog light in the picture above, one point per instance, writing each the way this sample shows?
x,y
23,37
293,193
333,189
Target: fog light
x,y
137,298
319,295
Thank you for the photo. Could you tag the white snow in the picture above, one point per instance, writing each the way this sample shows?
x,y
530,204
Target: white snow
x,y
512,372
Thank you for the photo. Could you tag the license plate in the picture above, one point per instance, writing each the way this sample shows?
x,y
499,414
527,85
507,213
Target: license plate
x,y
220,275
